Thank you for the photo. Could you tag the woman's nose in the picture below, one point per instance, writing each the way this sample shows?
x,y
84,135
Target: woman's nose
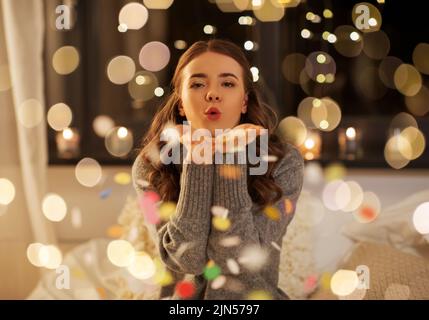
x,y
213,96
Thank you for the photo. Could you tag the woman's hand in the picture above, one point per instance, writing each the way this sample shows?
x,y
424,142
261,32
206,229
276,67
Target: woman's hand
x,y
237,138
199,151
232,140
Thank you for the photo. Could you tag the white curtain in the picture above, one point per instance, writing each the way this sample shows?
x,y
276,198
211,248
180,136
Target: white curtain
x,y
23,150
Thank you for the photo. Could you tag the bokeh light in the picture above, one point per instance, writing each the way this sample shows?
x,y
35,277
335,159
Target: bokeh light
x,y
344,44
30,113
344,282
88,172
121,70
102,125
417,104
387,69
54,207
327,116
7,192
59,116
420,57
142,266
369,209
119,141
143,86
407,80
134,15
293,130
158,4
154,56
421,218
268,12
376,44
121,253
66,60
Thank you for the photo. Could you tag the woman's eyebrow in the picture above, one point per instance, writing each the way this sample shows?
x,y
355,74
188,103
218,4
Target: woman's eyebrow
x,y
222,75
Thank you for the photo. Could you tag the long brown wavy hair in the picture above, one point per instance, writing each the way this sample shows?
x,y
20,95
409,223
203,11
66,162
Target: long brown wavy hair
x,y
165,178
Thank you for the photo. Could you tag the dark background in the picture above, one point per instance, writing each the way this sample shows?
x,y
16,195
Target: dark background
x,y
89,92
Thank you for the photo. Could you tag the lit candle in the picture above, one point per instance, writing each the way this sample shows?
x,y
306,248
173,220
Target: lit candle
x,y
68,143
349,142
311,148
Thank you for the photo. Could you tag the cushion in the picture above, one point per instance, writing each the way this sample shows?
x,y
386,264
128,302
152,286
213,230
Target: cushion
x,y
393,226
393,274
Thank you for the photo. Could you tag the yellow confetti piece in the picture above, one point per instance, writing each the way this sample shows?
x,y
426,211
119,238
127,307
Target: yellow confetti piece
x,y
162,276
78,273
167,210
259,295
272,213
122,178
230,171
289,206
210,263
325,280
115,231
221,224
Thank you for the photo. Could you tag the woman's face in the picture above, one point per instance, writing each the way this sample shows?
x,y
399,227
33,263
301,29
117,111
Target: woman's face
x,y
212,92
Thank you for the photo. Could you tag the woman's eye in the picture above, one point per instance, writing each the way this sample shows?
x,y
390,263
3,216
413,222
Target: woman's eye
x,y
196,85
229,84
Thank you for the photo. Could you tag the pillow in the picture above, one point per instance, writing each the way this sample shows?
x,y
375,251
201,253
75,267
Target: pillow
x,y
393,226
393,274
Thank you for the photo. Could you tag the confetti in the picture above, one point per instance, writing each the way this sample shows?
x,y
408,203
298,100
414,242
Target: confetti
x,y
289,207
167,210
219,211
102,293
221,224
211,271
105,193
122,178
259,295
219,282
230,241
147,203
233,266
272,213
76,218
253,257
185,289
230,172
115,231
276,246
310,283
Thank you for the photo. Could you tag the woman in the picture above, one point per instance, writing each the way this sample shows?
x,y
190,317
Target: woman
x,y
213,89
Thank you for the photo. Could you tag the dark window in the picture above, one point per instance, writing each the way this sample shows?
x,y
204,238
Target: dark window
x,y
95,34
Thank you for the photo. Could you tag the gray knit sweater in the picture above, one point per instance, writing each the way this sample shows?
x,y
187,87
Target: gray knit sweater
x,y
201,187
